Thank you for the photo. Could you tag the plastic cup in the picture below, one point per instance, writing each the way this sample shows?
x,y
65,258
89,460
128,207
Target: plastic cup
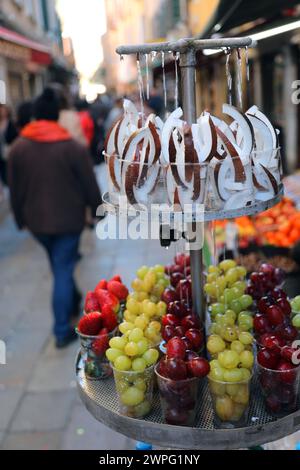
x,y
178,399
230,402
280,389
135,391
93,348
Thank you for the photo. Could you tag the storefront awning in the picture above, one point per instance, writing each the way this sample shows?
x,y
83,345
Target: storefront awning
x,y
39,53
232,13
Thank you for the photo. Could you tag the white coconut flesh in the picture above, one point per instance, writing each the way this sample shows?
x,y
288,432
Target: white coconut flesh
x,y
240,199
204,137
263,140
256,112
244,126
141,194
172,121
110,148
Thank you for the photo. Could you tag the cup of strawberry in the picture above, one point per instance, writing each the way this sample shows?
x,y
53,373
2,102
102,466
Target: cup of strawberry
x,y
95,329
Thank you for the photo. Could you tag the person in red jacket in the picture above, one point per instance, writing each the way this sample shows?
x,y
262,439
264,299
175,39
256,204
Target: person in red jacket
x,y
52,182
86,121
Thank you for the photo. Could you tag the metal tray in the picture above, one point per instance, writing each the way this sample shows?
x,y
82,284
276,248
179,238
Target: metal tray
x,y
101,401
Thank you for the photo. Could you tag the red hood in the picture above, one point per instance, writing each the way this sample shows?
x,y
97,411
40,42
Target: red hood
x,y
45,131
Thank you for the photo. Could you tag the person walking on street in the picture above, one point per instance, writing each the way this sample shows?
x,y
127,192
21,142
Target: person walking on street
x,y
52,183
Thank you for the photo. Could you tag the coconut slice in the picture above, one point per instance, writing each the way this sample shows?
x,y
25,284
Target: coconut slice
x,y
131,177
205,138
109,144
256,112
170,124
239,200
141,194
176,157
190,154
272,183
239,171
233,186
244,126
114,167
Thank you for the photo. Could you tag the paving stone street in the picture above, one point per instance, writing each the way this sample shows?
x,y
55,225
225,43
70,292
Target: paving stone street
x,y
40,407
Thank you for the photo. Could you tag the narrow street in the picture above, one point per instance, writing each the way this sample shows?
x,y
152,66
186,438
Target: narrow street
x,y
37,385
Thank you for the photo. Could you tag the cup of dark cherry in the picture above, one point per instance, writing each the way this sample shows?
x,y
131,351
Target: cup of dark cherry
x,y
178,377
277,355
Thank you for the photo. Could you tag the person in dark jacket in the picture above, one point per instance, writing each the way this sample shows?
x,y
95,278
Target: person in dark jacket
x,y
8,133
52,182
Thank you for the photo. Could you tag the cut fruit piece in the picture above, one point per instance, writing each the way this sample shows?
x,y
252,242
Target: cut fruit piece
x,y
256,184
205,138
239,200
109,144
244,128
255,111
131,177
141,194
272,181
240,176
172,122
114,169
175,154
190,154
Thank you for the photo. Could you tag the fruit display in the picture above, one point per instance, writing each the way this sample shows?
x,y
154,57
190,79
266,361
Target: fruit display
x,y
144,308
224,166
178,375
295,305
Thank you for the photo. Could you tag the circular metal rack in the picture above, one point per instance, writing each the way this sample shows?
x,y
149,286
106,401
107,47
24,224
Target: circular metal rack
x,y
206,216
101,400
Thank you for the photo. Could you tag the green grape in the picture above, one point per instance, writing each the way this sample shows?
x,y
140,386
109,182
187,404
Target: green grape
x,y
158,290
133,306
241,285
154,299
231,314
236,293
221,284
150,309
118,342
217,388
229,359
151,356
212,277
142,295
156,325
246,374
126,326
214,269
236,306
245,338
231,276
159,269
140,384
217,373
143,346
214,363
228,319
246,300
129,317
229,334
122,363
142,271
161,308
241,271
131,349
296,321
136,335
228,296
295,303
137,285
224,408
113,353
215,344
213,328
142,409
237,346
141,322
245,323
149,280
139,364
221,299
210,289
150,332
132,396
247,359
227,264
233,375
217,308
242,394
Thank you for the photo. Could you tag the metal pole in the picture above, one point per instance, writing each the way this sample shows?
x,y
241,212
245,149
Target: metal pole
x,y
188,86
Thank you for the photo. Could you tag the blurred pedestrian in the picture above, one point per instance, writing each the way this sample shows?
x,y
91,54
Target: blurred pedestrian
x,y
86,121
115,113
8,133
52,183
24,114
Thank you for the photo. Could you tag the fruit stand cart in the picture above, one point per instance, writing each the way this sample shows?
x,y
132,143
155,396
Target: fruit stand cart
x,y
100,397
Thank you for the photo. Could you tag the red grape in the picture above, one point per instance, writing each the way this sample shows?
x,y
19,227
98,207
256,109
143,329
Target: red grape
x,y
168,332
267,359
199,367
176,348
196,337
170,320
175,278
275,315
285,306
176,369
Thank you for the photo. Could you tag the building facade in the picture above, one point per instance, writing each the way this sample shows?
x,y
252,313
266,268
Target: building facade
x,y
30,45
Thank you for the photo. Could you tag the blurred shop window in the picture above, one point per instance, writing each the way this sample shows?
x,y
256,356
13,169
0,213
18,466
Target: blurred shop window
x,y
2,92
15,83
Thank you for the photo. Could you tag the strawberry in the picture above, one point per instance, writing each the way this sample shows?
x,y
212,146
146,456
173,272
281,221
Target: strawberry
x,y
106,298
117,289
109,318
101,285
91,303
116,278
100,345
90,324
